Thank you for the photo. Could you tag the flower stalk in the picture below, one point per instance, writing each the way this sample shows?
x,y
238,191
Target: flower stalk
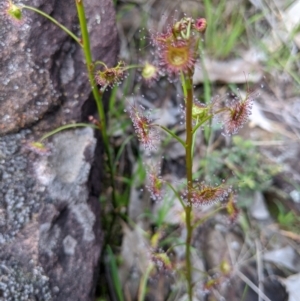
x,y
64,28
189,173
96,93
65,127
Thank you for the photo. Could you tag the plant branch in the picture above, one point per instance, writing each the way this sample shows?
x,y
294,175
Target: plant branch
x,y
65,127
201,123
177,194
206,217
171,133
65,29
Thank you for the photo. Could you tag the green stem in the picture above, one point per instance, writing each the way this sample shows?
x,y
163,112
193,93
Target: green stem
x,y
100,63
133,67
194,138
171,134
143,283
65,29
177,194
120,151
65,127
189,172
182,78
125,68
206,217
201,123
95,90
170,249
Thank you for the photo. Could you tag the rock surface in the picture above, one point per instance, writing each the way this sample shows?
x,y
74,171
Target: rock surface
x,y
50,236
42,68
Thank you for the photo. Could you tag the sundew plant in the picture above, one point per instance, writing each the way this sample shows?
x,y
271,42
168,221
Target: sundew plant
x,y
177,50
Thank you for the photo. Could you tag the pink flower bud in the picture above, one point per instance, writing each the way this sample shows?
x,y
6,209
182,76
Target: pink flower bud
x,y
200,25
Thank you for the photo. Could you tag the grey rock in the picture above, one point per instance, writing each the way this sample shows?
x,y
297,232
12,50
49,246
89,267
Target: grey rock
x,y
50,235
42,68
258,208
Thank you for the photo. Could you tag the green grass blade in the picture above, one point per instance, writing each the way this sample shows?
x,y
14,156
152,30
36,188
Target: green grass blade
x,y
143,283
114,274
